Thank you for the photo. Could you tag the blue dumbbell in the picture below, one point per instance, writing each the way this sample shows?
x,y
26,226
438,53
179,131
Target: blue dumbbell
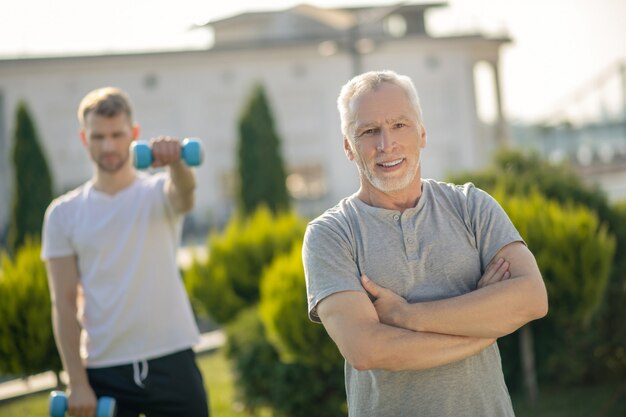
x,y
190,152
58,405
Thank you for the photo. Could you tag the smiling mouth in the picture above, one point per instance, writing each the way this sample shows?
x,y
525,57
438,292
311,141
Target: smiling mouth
x,y
390,164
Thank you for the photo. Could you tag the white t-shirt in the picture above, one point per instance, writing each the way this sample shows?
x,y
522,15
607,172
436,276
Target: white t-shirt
x,y
135,305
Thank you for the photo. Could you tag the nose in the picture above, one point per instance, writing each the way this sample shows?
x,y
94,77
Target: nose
x,y
385,141
107,144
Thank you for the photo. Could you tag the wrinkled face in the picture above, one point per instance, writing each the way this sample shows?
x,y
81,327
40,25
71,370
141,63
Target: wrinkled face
x,y
108,140
387,140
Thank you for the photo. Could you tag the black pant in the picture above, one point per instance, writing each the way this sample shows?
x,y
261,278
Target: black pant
x,y
169,386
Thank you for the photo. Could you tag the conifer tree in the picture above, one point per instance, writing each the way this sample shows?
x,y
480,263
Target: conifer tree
x,y
32,183
261,171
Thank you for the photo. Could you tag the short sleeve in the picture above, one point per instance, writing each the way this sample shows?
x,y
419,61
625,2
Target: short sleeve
x,y
55,236
491,225
329,265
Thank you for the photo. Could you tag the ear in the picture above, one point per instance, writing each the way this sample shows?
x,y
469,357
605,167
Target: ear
x,y
136,130
347,148
83,136
423,137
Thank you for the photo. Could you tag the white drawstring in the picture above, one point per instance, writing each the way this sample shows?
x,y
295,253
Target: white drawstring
x,y
139,375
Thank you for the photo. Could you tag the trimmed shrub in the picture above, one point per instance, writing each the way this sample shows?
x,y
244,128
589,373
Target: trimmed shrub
x,y
261,169
519,173
574,253
32,183
595,351
229,281
254,359
609,344
283,310
26,338
290,389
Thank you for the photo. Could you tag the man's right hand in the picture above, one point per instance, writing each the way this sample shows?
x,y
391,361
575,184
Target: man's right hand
x,y
81,401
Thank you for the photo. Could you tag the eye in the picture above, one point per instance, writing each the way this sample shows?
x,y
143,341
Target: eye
x,y
399,125
368,132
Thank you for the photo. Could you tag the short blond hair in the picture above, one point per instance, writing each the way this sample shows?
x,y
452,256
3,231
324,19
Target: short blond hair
x,y
107,102
371,81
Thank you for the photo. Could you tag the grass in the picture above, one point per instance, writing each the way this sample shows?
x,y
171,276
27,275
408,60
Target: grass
x,y
597,401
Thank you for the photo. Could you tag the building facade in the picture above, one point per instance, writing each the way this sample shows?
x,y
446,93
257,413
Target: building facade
x,y
302,56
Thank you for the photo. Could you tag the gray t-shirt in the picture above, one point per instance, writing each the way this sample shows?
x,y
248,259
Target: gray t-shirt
x,y
436,250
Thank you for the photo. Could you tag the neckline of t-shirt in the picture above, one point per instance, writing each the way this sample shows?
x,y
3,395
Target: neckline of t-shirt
x,y
385,212
109,197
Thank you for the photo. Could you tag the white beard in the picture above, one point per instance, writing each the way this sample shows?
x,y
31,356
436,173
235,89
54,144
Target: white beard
x,y
389,185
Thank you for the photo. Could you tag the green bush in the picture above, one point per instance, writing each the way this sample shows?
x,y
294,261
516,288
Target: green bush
x,y
594,347
573,250
283,310
290,389
255,360
574,253
519,173
26,339
609,345
229,281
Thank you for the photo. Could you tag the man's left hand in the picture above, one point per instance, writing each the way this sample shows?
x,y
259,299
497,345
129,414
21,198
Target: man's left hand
x,y
389,305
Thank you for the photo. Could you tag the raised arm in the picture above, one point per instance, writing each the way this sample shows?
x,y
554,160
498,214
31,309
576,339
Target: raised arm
x,y
493,310
63,280
352,322
182,183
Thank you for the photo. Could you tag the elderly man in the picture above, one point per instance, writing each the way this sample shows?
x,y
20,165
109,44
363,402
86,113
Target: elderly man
x,y
415,279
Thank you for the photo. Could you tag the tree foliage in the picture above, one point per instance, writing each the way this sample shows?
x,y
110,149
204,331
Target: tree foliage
x,y
261,170
32,183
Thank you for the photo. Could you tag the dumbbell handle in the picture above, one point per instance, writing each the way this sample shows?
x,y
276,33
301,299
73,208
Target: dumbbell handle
x,y
190,152
58,405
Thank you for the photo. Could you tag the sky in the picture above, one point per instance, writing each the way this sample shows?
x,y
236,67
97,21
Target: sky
x,y
558,48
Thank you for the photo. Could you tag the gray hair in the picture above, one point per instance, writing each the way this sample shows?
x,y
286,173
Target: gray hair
x,y
371,81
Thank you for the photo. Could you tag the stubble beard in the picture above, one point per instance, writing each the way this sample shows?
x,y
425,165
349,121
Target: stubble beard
x,y
111,169
388,185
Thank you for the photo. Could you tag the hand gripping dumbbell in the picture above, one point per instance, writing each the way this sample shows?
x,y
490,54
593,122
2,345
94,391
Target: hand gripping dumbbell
x,y
190,152
58,405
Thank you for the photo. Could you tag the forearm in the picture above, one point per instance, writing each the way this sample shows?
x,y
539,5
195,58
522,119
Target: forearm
x,y
67,336
492,311
351,321
395,349
181,186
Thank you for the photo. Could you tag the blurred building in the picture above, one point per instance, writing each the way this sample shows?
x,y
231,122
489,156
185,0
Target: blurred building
x,y
587,130
302,56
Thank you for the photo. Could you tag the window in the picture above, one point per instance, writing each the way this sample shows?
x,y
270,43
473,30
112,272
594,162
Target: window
x,y
306,182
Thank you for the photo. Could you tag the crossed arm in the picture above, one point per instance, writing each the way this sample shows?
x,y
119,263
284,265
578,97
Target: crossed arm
x,y
392,334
